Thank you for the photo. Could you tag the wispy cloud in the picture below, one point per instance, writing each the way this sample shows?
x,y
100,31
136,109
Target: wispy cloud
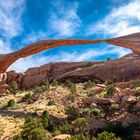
x,y
64,21
121,21
10,22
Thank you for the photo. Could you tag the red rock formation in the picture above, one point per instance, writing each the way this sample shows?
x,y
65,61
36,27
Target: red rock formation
x,y
8,59
131,41
122,69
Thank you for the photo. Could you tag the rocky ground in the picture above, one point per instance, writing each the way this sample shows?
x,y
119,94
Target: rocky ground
x,y
99,103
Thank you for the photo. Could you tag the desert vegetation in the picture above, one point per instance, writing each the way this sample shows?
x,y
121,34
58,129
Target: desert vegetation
x,y
87,110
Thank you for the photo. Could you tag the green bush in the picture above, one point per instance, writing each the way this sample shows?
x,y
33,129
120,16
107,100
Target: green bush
x,y
108,82
87,112
17,137
68,83
80,125
72,112
32,130
78,137
65,128
14,86
111,90
11,103
54,83
89,84
35,128
114,106
107,136
96,111
56,131
45,120
73,89
103,94
46,84
71,86
51,103
38,134
27,97
125,132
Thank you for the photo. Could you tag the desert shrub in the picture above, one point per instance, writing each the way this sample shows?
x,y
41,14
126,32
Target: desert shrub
x,y
38,89
107,136
89,84
87,112
137,88
80,79
38,134
111,90
136,83
65,128
108,82
103,94
130,108
11,103
114,106
33,130
73,89
125,132
56,132
96,81
96,111
51,103
17,137
27,97
14,86
68,83
78,137
45,120
46,84
72,112
89,63
54,83
71,86
35,97
80,125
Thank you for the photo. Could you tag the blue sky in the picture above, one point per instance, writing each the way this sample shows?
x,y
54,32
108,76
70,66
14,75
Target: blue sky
x,y
23,22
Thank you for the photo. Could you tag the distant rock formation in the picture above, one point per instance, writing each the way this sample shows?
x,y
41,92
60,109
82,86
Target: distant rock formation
x,y
122,69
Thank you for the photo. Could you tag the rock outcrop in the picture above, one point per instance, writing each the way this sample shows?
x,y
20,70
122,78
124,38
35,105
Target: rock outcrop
x,y
122,69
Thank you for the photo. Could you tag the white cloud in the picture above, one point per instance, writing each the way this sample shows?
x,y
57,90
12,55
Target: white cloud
x,y
10,22
64,21
121,21
4,47
10,17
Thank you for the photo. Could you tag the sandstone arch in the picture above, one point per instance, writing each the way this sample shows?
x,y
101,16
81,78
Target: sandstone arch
x,y
131,41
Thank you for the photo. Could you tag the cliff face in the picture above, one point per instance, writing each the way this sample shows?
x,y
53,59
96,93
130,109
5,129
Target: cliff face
x,y
123,69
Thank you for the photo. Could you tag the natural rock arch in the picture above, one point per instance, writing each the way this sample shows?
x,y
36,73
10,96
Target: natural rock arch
x,y
131,41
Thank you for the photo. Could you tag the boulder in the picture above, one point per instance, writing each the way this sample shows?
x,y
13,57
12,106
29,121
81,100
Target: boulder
x,y
61,137
97,123
129,99
96,90
99,100
128,118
